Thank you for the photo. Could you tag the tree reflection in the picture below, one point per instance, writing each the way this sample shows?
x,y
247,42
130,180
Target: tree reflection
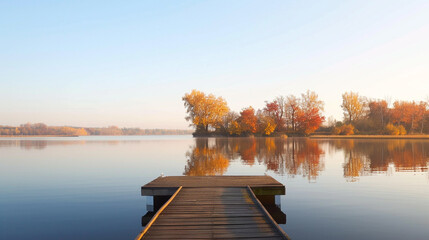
x,y
205,160
353,166
364,157
308,155
304,156
293,157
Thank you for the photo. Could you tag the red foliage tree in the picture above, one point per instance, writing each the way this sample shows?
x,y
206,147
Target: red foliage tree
x,y
309,121
273,110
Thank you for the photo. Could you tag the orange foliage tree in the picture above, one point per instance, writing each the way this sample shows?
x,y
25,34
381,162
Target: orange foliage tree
x,y
309,115
309,121
410,114
248,121
375,116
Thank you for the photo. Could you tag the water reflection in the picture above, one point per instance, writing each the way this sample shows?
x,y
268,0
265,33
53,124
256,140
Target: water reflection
x,y
292,157
368,157
205,160
28,144
38,144
305,157
72,183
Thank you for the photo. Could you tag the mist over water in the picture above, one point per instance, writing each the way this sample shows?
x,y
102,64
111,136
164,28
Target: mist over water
x,y
89,187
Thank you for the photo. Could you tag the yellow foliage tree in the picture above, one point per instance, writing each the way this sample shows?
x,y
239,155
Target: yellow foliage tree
x,y
234,128
81,132
353,106
267,124
204,110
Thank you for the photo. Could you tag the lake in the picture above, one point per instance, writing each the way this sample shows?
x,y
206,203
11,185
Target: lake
x,y
89,187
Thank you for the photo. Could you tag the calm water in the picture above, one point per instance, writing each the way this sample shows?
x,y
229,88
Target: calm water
x,y
89,187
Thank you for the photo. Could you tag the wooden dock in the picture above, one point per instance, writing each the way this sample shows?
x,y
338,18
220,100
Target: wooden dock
x,y
215,207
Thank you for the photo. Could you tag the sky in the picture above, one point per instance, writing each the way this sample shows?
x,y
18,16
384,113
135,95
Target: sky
x,y
128,63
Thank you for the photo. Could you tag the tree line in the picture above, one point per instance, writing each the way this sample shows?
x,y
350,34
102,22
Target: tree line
x,y
376,116
210,115
302,115
43,129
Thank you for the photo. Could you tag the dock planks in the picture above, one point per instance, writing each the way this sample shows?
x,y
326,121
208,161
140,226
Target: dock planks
x,y
212,208
213,181
261,185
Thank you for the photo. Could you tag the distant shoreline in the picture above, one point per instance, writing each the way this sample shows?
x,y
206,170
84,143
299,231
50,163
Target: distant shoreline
x,y
313,136
371,136
33,136
68,136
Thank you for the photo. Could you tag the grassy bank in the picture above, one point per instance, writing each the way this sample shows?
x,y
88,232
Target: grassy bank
x,y
372,136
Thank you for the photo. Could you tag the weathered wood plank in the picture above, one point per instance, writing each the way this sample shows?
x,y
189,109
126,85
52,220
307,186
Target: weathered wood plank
x,y
217,227
166,186
213,213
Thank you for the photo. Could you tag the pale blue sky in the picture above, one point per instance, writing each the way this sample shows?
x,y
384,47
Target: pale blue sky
x,y
128,63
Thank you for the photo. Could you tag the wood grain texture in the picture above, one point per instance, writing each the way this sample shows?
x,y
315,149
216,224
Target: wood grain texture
x,y
213,213
166,186
213,181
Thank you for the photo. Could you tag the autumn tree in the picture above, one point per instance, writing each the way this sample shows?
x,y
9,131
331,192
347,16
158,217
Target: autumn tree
x,y
309,114
234,128
423,114
248,121
353,106
275,111
228,123
378,113
406,114
81,132
266,123
291,107
375,116
203,110
412,115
